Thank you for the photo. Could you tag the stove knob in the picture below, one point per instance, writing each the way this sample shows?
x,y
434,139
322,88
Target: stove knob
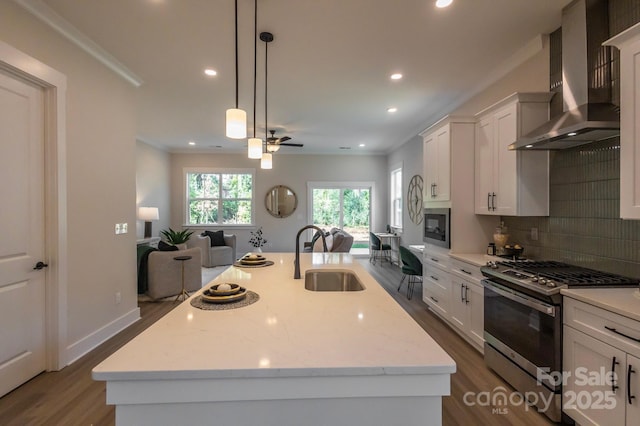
x,y
534,279
551,284
542,281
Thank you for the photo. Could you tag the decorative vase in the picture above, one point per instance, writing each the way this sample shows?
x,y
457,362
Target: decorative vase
x,y
182,246
258,249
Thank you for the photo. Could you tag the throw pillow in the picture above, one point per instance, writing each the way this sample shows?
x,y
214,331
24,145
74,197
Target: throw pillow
x,y
317,247
216,238
162,246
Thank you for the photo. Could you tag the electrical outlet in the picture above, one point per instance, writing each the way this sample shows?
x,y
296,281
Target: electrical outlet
x,y
534,234
118,297
124,228
118,228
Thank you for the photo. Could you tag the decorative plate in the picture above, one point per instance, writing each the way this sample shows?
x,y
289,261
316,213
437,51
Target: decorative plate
x,y
208,297
213,290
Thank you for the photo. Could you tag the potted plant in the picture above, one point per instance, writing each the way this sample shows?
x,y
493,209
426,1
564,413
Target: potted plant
x,y
257,240
177,238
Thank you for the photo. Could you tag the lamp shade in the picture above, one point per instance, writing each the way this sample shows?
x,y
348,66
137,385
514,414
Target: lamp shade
x,y
236,123
148,213
255,148
265,162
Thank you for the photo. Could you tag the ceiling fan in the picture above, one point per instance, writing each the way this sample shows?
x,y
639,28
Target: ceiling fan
x,y
274,143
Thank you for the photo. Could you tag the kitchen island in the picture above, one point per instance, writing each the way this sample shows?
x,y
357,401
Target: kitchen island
x,y
295,357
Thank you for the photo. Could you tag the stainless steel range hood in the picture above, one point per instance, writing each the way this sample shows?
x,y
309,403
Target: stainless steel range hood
x,y
589,115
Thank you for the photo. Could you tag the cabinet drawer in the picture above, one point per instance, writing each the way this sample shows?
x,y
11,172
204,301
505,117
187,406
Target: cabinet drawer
x,y
436,296
466,271
609,327
439,260
437,276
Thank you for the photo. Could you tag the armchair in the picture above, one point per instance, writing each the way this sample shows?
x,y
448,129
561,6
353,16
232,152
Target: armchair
x,y
214,255
165,273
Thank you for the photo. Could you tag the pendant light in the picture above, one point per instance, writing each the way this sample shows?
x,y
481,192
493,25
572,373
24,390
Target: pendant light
x,y
266,161
255,144
236,118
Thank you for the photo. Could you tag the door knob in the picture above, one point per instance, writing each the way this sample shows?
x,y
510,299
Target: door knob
x,y
40,265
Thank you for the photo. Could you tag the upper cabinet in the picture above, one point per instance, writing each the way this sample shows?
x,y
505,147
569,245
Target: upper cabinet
x,y
511,183
629,44
438,140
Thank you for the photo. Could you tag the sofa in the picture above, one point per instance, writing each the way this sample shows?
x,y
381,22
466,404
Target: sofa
x,y
338,241
163,274
217,248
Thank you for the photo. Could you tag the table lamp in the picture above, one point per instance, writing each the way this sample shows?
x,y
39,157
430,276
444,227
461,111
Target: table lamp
x,y
148,214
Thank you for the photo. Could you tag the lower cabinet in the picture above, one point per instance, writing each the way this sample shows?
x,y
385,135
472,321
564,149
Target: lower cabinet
x,y
452,290
602,376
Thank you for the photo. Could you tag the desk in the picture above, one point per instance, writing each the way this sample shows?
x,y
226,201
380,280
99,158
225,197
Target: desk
x,y
394,241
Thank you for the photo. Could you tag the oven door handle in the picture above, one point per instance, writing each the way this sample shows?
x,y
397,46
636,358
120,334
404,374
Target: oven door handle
x,y
520,298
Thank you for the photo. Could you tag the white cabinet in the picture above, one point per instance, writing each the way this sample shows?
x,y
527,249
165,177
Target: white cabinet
x,y
438,142
436,284
629,44
511,183
601,360
467,302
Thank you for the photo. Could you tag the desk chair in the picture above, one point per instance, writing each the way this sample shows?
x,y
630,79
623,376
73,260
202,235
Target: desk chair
x,y
378,249
412,267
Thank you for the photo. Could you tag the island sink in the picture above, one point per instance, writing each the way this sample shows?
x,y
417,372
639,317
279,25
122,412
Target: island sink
x,y
331,280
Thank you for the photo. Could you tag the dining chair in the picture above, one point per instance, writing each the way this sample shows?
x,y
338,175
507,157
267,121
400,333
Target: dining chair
x,y
378,250
412,267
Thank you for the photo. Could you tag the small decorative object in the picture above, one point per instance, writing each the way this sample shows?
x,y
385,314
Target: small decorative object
x,y
257,240
176,237
414,199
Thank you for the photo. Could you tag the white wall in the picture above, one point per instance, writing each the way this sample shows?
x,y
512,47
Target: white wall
x,y
152,185
100,156
294,171
410,155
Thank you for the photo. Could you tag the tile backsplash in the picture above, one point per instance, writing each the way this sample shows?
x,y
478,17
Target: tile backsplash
x,y
583,227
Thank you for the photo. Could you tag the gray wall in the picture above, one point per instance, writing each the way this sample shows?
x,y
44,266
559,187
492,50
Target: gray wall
x,y
294,171
152,185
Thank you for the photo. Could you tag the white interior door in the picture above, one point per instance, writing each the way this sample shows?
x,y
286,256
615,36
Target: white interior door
x,y
22,288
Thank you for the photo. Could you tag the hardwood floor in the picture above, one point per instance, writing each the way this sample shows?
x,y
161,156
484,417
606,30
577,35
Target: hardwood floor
x,y
71,397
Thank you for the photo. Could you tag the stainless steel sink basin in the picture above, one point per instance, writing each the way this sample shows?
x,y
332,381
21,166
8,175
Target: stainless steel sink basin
x,y
331,280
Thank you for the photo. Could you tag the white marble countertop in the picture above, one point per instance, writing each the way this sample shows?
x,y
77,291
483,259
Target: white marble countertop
x,y
477,259
289,332
622,301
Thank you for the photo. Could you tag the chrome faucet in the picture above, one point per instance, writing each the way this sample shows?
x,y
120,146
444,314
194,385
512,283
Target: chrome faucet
x,y
296,273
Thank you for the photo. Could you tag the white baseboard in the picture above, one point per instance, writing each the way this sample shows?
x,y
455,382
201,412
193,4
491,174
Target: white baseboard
x,y
93,340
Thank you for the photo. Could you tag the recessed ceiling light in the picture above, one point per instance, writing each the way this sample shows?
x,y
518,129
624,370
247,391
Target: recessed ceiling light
x,y
571,134
443,3
362,145
210,72
528,146
392,109
192,143
396,76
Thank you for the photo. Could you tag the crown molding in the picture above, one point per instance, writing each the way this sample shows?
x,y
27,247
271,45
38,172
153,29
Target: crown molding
x,y
47,15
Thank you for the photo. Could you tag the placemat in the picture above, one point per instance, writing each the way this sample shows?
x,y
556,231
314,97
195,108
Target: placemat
x,y
251,298
240,265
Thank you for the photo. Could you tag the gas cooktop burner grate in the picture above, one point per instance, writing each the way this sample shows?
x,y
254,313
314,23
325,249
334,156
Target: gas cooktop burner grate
x,y
573,276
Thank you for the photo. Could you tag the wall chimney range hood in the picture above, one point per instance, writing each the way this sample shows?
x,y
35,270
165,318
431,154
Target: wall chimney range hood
x,y
589,116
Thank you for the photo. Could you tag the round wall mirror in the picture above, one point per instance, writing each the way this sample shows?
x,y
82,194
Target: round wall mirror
x,y
281,201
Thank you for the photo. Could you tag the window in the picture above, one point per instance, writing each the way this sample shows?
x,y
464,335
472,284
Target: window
x,y
219,197
396,197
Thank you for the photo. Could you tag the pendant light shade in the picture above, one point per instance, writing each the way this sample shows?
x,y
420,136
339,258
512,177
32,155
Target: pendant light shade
x,y
236,123
236,118
255,148
265,162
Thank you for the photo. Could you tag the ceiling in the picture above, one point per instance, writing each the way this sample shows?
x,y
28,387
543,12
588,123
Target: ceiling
x,y
329,65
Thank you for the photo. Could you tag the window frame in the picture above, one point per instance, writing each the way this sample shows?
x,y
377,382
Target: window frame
x,y
217,171
396,198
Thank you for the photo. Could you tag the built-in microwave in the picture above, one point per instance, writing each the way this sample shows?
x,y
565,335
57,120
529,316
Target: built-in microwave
x,y
437,227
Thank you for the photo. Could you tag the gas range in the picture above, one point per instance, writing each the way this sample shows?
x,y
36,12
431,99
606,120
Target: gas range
x,y
545,279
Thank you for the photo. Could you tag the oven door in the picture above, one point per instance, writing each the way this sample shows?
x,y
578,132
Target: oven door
x,y
526,330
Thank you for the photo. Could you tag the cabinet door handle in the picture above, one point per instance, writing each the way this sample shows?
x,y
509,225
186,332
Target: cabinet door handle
x,y
434,299
493,201
488,198
435,260
462,293
621,334
613,375
466,272
630,371
466,294
434,278
435,189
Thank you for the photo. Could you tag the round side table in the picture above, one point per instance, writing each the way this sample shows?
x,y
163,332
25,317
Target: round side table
x,y
183,293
